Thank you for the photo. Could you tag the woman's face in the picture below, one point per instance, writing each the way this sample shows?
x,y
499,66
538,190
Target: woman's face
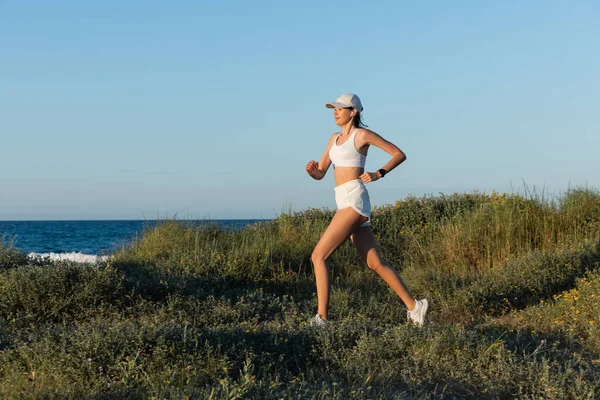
x,y
342,115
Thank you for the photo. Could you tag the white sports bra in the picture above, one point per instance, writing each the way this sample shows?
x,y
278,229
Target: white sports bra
x,y
346,155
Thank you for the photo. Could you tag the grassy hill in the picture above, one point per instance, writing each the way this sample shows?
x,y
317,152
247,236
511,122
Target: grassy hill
x,y
513,284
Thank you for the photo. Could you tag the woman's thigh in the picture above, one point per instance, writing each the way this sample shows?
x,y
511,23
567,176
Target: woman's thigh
x,y
343,223
364,241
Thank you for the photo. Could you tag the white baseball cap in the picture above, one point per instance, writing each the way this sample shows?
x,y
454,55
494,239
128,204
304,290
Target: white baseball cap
x,y
345,101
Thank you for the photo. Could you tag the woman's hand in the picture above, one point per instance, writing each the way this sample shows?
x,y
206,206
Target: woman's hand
x,y
370,177
312,168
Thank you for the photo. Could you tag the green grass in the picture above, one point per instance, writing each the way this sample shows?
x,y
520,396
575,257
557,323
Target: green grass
x,y
513,283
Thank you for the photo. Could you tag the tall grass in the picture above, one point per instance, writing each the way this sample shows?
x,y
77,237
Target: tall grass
x,y
188,312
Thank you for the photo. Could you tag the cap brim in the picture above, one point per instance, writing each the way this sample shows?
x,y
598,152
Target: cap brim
x,y
335,104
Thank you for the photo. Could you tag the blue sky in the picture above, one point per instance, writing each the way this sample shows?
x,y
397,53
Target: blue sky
x,y
211,109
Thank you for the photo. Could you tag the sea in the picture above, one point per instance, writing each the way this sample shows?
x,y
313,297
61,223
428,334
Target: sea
x,y
86,241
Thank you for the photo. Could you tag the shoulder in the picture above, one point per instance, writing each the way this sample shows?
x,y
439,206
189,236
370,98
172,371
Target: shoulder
x,y
332,139
366,134
364,131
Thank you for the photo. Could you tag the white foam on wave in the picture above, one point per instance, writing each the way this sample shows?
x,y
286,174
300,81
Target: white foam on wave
x,y
75,257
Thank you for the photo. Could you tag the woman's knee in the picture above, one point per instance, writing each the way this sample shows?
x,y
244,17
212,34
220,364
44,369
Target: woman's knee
x,y
377,265
317,257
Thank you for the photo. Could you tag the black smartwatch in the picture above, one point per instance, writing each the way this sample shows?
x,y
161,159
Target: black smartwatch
x,y
382,172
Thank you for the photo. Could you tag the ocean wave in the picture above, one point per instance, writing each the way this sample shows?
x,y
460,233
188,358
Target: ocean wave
x,y
73,256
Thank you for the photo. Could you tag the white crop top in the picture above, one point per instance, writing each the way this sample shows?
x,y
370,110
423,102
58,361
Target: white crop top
x,y
346,155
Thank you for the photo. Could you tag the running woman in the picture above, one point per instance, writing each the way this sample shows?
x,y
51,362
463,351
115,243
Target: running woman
x,y
347,150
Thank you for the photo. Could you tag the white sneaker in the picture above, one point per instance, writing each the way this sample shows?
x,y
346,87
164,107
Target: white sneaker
x,y
418,314
318,322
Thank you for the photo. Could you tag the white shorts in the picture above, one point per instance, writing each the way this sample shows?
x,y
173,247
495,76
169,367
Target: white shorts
x,y
354,194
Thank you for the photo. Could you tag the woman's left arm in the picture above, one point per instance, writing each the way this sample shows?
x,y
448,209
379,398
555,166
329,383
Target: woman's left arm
x,y
366,136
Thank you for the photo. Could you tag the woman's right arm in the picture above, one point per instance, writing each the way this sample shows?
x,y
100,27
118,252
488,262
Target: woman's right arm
x,y
318,170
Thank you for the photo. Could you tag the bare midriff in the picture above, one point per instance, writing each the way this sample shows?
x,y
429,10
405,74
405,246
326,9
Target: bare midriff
x,y
346,174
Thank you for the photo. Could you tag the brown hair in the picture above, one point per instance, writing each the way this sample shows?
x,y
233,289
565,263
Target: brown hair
x,y
357,121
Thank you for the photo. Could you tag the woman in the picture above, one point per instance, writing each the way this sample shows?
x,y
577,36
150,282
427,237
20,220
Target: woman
x,y
347,150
